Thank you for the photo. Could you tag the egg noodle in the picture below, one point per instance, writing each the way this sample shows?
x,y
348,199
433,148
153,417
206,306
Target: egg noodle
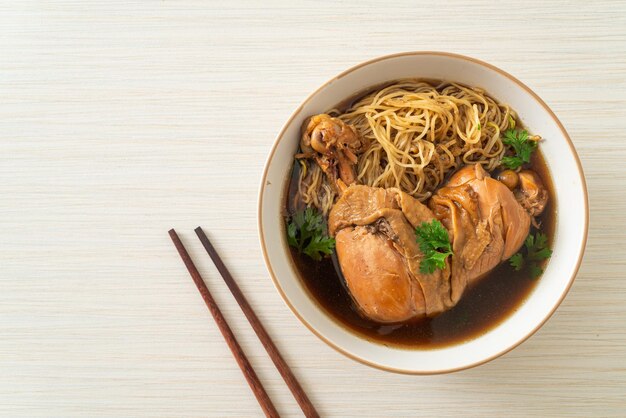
x,y
415,133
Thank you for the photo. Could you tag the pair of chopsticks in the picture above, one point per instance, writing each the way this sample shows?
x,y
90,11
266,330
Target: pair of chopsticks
x,y
255,384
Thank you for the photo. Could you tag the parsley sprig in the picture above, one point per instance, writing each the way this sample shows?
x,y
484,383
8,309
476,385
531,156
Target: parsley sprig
x,y
522,146
435,244
306,231
536,249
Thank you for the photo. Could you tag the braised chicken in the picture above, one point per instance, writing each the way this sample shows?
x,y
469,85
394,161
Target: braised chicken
x,y
379,256
334,145
532,194
485,221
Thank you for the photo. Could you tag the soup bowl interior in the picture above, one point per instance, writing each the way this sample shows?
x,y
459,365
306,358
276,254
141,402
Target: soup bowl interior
x,y
570,229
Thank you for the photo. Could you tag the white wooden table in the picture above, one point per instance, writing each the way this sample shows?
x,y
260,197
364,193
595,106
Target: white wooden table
x,y
120,120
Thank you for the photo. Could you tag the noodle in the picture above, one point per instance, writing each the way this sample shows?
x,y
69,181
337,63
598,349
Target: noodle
x,y
416,133
314,190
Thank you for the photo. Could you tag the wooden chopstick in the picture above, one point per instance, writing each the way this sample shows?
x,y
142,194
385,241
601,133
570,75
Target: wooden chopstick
x,y
235,348
305,404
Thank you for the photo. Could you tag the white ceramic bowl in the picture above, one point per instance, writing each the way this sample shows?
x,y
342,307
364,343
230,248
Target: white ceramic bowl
x,y
571,224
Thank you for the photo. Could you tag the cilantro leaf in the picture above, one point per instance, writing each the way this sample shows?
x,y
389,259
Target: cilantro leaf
x,y
318,246
541,240
539,255
529,242
512,163
306,231
433,235
522,146
292,231
435,244
435,260
517,261
536,249
535,270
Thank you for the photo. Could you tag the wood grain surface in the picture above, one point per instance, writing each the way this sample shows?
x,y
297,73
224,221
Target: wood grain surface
x,y
122,119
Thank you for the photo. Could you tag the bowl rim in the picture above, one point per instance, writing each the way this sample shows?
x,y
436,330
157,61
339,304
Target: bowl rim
x,y
539,101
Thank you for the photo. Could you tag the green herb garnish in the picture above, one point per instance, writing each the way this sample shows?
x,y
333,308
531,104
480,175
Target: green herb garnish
x,y
306,231
517,261
537,250
435,244
521,144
